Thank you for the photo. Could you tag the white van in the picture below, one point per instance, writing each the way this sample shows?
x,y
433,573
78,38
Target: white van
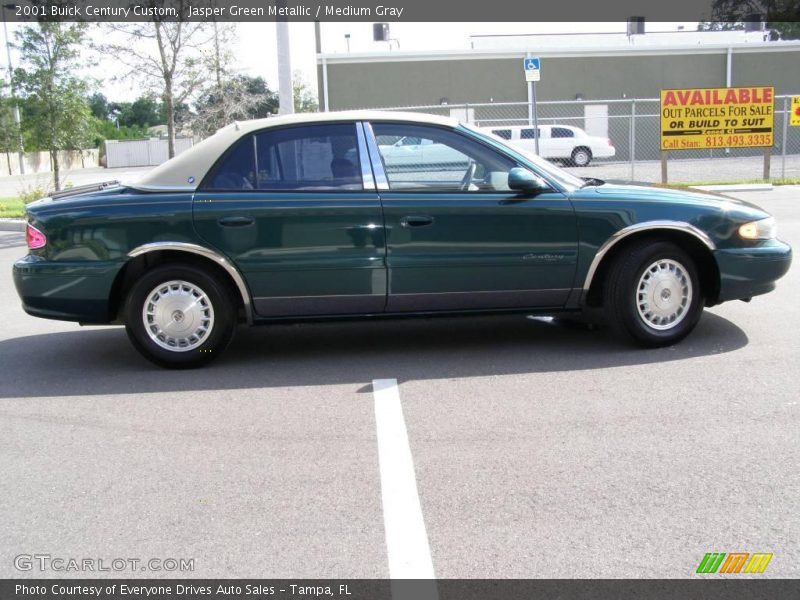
x,y
563,142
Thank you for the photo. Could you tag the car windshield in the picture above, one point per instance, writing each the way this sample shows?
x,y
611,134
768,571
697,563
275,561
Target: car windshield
x,y
547,168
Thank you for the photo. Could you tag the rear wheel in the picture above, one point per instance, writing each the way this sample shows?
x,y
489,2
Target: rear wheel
x,y
653,294
581,157
179,316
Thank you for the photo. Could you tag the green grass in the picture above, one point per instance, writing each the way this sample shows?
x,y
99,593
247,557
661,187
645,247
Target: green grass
x,y
11,207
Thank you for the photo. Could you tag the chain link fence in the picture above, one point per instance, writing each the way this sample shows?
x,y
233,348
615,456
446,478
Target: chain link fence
x,y
633,127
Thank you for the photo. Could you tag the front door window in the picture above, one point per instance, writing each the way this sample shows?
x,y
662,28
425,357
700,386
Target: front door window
x,y
431,159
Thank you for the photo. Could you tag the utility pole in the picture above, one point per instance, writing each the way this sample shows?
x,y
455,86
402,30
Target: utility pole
x,y
285,88
21,148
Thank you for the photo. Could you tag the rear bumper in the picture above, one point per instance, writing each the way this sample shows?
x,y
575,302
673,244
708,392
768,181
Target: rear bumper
x,y
748,272
67,291
603,151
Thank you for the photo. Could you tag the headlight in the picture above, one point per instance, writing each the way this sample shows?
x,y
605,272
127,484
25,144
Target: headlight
x,y
765,229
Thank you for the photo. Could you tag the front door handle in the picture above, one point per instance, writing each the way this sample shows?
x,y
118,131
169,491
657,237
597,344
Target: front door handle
x,y
236,221
416,221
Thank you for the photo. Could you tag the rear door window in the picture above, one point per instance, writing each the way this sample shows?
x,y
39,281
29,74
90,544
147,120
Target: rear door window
x,y
303,158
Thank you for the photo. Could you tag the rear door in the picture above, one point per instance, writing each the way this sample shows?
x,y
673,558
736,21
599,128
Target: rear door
x,y
459,239
296,209
546,149
562,141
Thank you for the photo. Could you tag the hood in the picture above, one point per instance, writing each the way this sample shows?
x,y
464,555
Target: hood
x,y
655,193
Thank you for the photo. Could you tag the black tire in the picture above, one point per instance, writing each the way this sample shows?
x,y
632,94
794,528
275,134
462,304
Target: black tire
x,y
581,156
627,304
215,302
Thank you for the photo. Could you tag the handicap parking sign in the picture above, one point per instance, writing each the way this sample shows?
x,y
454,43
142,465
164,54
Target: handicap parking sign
x,y
533,68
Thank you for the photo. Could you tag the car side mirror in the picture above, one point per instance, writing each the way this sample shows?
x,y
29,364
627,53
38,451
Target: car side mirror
x,y
523,180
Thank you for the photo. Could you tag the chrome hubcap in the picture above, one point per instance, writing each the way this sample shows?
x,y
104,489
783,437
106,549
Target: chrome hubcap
x,y
178,316
664,294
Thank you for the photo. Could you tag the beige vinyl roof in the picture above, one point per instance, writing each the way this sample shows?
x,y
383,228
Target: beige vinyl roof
x,y
187,170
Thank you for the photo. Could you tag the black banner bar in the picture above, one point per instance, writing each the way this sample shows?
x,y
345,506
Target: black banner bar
x,y
383,10
711,587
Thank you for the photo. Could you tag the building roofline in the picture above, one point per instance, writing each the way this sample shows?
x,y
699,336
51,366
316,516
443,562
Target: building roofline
x,y
593,51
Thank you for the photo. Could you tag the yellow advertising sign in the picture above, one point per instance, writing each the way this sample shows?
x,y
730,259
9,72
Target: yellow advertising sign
x,y
794,120
694,119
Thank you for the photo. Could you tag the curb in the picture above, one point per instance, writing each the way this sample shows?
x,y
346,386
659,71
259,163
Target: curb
x,y
733,187
12,225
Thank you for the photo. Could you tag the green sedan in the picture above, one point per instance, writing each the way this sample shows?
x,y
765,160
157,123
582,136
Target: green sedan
x,y
304,218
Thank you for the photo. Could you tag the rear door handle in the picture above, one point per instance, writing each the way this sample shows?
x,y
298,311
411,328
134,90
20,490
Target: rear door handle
x,y
236,221
416,221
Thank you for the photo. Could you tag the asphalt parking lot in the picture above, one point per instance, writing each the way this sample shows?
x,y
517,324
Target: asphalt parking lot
x,y
539,450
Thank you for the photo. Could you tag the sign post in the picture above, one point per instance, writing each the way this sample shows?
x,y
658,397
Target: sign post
x,y
707,118
791,116
533,73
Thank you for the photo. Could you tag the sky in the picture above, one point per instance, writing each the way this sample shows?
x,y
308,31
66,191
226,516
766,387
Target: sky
x,y
255,46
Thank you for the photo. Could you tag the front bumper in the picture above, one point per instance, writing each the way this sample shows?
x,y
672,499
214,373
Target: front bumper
x,y
748,272
67,291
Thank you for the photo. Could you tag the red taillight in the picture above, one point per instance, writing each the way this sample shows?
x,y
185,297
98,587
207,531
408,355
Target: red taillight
x,y
35,238
610,143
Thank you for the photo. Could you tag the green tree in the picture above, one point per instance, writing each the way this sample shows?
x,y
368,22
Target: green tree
x,y
782,17
228,97
99,105
304,99
57,116
240,97
9,132
165,57
103,129
145,112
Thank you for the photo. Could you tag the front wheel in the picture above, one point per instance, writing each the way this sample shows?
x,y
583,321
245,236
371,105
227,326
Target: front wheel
x,y
179,316
653,294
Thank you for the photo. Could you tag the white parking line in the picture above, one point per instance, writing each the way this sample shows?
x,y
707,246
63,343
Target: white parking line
x,y
406,538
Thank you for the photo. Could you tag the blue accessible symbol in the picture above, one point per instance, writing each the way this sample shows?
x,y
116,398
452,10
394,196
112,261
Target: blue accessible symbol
x,y
533,68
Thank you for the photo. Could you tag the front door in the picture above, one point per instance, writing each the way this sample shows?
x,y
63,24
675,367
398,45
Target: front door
x,y
459,239
296,210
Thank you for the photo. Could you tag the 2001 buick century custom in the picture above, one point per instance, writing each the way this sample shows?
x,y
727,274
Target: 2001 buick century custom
x,y
301,217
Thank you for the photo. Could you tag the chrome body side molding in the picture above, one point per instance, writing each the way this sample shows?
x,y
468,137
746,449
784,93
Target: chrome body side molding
x,y
206,253
638,228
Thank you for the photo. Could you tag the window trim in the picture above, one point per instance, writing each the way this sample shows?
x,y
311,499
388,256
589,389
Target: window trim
x,y
375,158
368,184
367,175
571,133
